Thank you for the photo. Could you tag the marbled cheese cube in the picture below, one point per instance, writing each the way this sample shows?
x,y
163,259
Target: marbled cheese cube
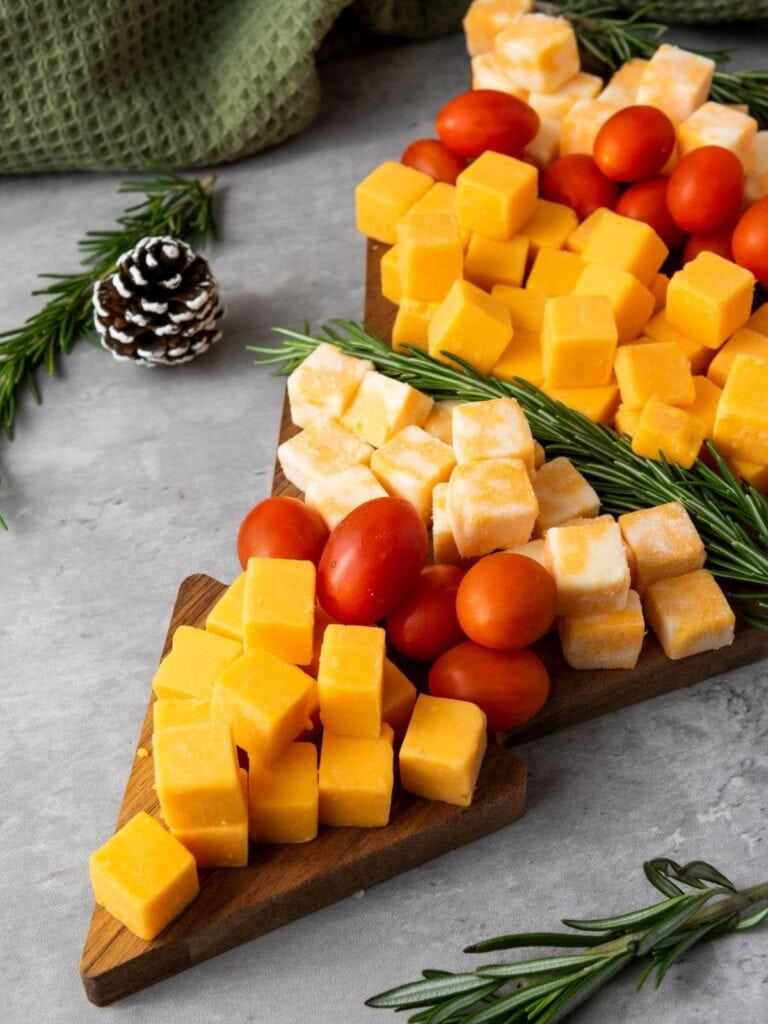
x,y
676,81
389,277
336,496
521,358
743,342
533,549
715,124
697,354
324,384
562,493
356,779
283,797
689,614
494,429
545,145
439,423
589,566
598,404
539,455
385,196
663,541
658,289
471,324
411,326
322,449
381,408
624,82
756,181
741,424
526,308
555,272
576,241
489,262
579,340
491,505
488,72
496,195
549,226
654,369
626,420
664,430
226,616
397,699
709,298
486,18
350,680
611,639
430,255
557,103
626,244
444,548
540,51
631,302
411,464
705,403
579,127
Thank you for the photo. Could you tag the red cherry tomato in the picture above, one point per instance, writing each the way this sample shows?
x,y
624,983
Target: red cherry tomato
x,y
705,188
647,201
372,561
281,528
718,241
486,119
506,601
577,181
509,686
750,240
434,159
425,625
634,143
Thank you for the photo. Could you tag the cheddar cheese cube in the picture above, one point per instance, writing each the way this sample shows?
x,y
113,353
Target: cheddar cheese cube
x,y
654,369
496,195
741,424
562,494
322,449
444,547
715,124
384,197
324,384
488,72
689,614
658,289
579,237
521,358
197,777
626,420
540,51
756,181
554,272
279,608
429,254
744,342
336,496
669,432
389,278
441,198
443,749
398,698
217,846
411,464
626,244
579,127
579,339
322,621
493,429
439,423
549,226
489,261
624,82
350,680
491,505
663,542
533,549
705,403
169,711
697,354
589,566
759,319
526,307
283,797
226,616
143,876
486,18
556,104
194,663
601,640
753,473
356,779
709,299
381,408
676,81
631,302
470,324
544,146
411,326
598,404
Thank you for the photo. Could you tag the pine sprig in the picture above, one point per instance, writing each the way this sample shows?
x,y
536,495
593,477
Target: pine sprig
x,y
731,516
700,904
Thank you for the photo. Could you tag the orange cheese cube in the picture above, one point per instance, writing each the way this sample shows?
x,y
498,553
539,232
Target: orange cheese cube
x,y
562,494
697,354
411,464
398,698
491,505
631,302
540,51
411,326
279,608
216,846
496,195
557,103
470,324
283,797
322,449
598,404
709,299
744,342
664,430
549,226
324,384
350,680
143,876
443,749
658,289
197,777
526,308
579,340
756,181
704,406
611,639
676,81
759,319
654,369
429,254
533,549
715,124
494,429
441,198
336,496
356,779
741,424
626,244
626,420
544,146
488,72
439,423
753,473
196,659
486,18
589,566
385,196
489,261
322,621
169,711
689,614
382,407
521,358
663,542
554,272
624,82
226,616
579,127
444,547
389,278
579,237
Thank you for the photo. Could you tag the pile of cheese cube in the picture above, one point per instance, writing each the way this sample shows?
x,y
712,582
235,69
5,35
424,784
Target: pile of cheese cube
x,y
535,57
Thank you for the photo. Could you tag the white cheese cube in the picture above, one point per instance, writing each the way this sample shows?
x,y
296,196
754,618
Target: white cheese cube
x,y
676,81
411,464
545,145
715,124
555,105
486,18
612,639
756,182
496,429
579,127
322,449
439,423
324,384
336,496
624,82
562,493
540,51
444,550
491,505
590,567
382,407
489,73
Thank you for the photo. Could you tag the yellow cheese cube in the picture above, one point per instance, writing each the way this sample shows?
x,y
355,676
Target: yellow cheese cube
x,y
545,145
697,354
429,254
741,424
265,701
549,226
443,749
196,659
324,384
676,81
624,82
626,420
557,103
336,496
441,198
398,698
579,127
444,547
350,680
663,542
526,308
654,369
744,342
756,181
470,324
554,272
579,237
715,124
322,449
494,429
611,639
382,407
626,244
491,505
279,608
631,302
439,423
562,494
759,319
598,404
216,846
226,616
488,72
704,406
385,196
664,430
658,289
589,566
540,51
411,326
283,797
411,464
533,549
169,711
709,299
143,876
486,18
689,614
389,269
579,340
197,775
356,779
496,195
521,358
753,473
489,261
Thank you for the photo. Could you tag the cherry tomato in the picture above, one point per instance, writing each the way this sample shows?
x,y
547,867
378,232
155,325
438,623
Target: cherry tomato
x,y
750,240
577,181
509,686
486,119
705,188
647,201
281,528
425,625
434,159
506,601
372,561
718,241
634,143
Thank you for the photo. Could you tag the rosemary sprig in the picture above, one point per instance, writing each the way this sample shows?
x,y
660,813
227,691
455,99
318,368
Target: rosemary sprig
x,y
731,516
700,904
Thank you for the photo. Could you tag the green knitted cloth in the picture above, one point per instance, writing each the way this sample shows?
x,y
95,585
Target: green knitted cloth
x,y
123,84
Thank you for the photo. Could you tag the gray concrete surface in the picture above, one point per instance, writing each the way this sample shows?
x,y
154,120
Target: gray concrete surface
x,y
127,480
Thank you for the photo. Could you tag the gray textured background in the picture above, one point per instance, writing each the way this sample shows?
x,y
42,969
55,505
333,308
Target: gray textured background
x,y
127,480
